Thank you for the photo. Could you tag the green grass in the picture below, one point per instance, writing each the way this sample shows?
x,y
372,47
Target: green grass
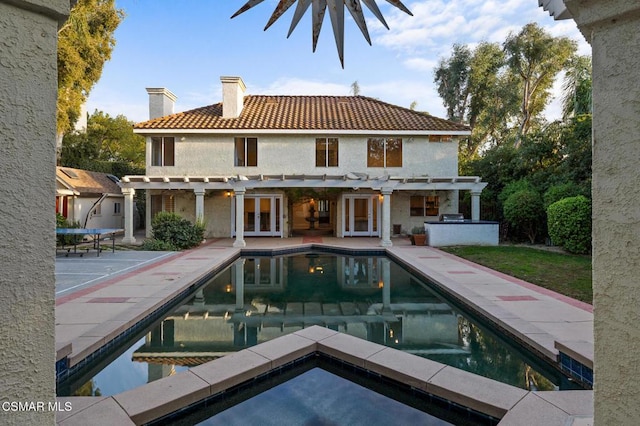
x,y
564,273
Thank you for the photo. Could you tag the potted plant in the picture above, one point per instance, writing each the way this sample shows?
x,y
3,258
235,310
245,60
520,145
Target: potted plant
x,y
418,236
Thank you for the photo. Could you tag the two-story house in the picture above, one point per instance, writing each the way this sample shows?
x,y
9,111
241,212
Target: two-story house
x,y
258,165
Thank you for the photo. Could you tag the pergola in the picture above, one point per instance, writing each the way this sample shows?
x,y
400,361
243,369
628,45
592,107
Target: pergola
x,y
239,184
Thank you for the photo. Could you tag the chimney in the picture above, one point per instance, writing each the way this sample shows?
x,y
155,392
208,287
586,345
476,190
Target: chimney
x,y
161,102
232,96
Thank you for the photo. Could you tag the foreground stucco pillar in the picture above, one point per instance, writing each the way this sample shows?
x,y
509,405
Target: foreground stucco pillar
x,y
386,217
239,242
475,205
28,90
613,29
128,215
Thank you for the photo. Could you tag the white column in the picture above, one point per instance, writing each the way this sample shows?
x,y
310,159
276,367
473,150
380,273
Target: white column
x,y
199,204
239,284
386,282
128,215
386,217
148,229
475,205
239,242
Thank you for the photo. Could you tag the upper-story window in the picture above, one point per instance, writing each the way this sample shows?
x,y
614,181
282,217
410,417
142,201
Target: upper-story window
x,y
246,152
326,152
384,152
163,151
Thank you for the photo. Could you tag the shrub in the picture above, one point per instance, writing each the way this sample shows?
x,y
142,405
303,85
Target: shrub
x,y
523,209
569,224
558,192
513,187
417,230
151,244
179,232
66,240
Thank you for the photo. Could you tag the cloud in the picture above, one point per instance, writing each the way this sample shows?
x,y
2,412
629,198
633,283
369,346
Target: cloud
x,y
420,64
299,86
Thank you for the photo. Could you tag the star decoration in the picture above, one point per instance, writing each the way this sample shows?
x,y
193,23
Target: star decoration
x,y
336,13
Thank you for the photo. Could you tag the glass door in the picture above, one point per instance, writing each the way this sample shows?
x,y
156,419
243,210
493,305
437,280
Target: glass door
x,y
360,215
262,215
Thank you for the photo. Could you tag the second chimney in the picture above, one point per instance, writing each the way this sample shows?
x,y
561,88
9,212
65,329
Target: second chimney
x,y
232,96
161,102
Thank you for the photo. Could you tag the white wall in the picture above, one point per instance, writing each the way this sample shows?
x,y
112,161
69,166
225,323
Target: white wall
x,y
200,155
106,219
462,234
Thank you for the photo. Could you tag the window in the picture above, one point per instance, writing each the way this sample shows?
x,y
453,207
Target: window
x,y
162,151
97,211
162,203
425,206
246,154
440,138
326,152
384,152
116,208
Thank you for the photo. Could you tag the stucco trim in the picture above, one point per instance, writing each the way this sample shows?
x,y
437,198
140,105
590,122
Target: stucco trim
x,y
56,9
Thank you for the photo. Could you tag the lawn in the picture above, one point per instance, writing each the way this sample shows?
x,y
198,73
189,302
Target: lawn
x,y
564,273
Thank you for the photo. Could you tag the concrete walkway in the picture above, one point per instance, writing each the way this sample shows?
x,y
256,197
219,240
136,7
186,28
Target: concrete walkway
x,y
92,310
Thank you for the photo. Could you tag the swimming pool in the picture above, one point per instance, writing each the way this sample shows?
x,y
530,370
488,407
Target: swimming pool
x,y
259,298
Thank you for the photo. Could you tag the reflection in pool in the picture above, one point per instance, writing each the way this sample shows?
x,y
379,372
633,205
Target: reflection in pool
x,y
260,298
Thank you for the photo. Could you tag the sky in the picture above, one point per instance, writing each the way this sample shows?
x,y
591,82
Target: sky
x,y
187,45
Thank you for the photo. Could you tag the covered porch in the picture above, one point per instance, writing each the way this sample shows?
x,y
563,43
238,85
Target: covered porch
x,y
350,205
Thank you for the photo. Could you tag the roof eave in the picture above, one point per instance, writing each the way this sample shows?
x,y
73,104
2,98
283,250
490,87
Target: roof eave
x,y
301,132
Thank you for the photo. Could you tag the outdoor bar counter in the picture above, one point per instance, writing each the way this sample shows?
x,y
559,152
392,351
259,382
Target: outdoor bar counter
x,y
464,233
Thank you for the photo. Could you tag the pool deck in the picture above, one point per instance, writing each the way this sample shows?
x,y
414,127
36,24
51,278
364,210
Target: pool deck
x,y
98,298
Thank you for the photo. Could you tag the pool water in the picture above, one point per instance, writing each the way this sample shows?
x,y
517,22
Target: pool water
x,y
260,298
318,397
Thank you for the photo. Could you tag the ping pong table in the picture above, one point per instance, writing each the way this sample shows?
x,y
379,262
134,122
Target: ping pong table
x,y
96,233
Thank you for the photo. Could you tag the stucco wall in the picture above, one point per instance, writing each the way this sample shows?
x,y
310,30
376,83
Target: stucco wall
x,y
616,208
106,219
28,81
199,155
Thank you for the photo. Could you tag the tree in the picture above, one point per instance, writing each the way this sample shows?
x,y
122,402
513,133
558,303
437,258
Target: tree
x,y
494,98
476,90
452,78
85,43
355,88
108,145
523,209
576,99
536,57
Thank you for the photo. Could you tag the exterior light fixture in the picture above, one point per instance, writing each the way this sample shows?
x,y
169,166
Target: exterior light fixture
x,y
336,14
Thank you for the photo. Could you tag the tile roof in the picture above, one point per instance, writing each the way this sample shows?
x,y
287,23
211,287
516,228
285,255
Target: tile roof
x,y
306,113
87,182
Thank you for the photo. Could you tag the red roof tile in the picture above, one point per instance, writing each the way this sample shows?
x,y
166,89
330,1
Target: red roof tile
x,y
263,112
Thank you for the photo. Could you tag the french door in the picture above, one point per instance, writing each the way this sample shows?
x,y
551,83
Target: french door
x,y
262,215
361,215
